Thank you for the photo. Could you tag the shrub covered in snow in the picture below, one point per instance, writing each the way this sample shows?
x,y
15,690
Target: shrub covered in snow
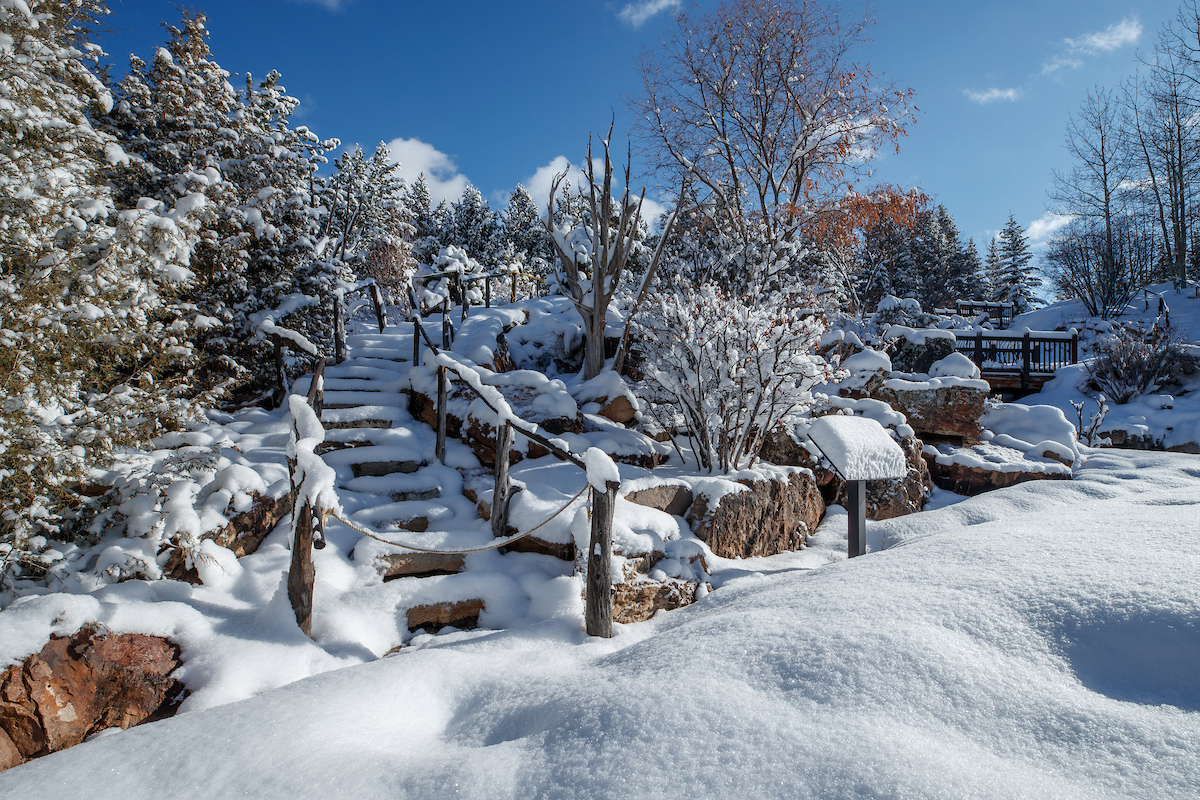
x,y
727,367
1126,365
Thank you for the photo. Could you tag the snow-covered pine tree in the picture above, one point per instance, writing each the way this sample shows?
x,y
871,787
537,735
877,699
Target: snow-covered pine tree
x,y
428,230
992,272
523,231
86,328
1018,280
474,227
968,275
368,227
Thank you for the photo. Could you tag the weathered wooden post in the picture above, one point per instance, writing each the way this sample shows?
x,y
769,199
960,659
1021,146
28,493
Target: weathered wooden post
x,y
316,389
1074,346
487,292
503,491
599,601
440,449
281,381
465,296
447,325
514,286
377,302
301,573
979,349
1025,360
339,331
416,359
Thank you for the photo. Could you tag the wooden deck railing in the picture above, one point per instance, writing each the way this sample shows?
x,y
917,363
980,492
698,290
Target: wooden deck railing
x,y
1025,354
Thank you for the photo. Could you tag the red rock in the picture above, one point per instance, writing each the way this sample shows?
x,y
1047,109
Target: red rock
x,y
970,481
10,756
79,685
619,409
943,411
639,600
243,535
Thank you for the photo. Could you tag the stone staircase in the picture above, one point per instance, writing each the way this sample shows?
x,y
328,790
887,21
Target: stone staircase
x,y
389,481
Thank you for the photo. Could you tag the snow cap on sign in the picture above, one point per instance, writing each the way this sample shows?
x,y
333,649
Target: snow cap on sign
x,y
859,448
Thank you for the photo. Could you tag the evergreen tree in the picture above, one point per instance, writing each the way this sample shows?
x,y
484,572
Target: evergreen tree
x,y
86,322
524,234
992,273
474,227
968,277
1018,280
428,228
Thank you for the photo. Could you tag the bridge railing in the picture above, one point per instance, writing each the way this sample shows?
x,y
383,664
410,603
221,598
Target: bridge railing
x,y
1019,353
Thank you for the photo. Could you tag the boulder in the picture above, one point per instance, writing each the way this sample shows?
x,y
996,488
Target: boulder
x,y
243,535
639,600
983,467
619,409
82,684
938,407
672,499
917,353
771,516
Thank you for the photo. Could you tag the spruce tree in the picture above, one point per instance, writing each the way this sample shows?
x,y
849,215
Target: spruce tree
x,y
1018,280
474,227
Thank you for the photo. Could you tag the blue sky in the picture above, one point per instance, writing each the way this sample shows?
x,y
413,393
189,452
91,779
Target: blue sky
x,y
496,93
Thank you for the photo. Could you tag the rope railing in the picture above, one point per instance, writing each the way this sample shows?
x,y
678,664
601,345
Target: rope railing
x,y
310,521
496,545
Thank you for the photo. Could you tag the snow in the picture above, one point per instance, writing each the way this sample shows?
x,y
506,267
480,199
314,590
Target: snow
x,y
867,361
955,365
859,448
993,649
916,336
600,469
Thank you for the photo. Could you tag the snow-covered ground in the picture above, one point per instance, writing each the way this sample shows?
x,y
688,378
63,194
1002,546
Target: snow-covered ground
x,y
1038,641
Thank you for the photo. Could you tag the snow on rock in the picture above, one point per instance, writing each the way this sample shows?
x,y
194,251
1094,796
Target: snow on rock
x,y
955,365
1030,427
859,447
867,361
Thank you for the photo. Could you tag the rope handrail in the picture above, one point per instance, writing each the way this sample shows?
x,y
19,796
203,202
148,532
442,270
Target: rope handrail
x,y
531,434
496,545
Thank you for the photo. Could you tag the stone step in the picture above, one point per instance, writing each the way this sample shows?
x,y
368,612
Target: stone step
x,y
364,416
435,616
419,565
380,468
350,399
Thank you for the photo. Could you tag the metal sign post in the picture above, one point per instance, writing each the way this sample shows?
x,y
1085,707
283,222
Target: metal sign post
x,y
860,450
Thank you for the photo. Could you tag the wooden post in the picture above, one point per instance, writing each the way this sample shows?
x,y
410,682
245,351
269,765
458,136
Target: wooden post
x,y
514,287
503,491
316,389
466,302
440,450
979,349
1074,347
377,302
856,534
447,326
487,292
599,600
416,359
1025,361
301,573
339,331
281,381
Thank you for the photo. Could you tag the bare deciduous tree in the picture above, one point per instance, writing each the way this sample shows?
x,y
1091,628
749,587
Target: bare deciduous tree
x,y
594,253
760,105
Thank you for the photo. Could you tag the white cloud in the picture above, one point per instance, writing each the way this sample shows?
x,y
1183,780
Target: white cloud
x,y
441,173
993,94
1127,31
1045,226
637,13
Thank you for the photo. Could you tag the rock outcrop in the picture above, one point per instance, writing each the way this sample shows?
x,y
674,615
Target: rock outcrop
x,y
243,535
937,407
82,684
770,516
983,467
919,350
